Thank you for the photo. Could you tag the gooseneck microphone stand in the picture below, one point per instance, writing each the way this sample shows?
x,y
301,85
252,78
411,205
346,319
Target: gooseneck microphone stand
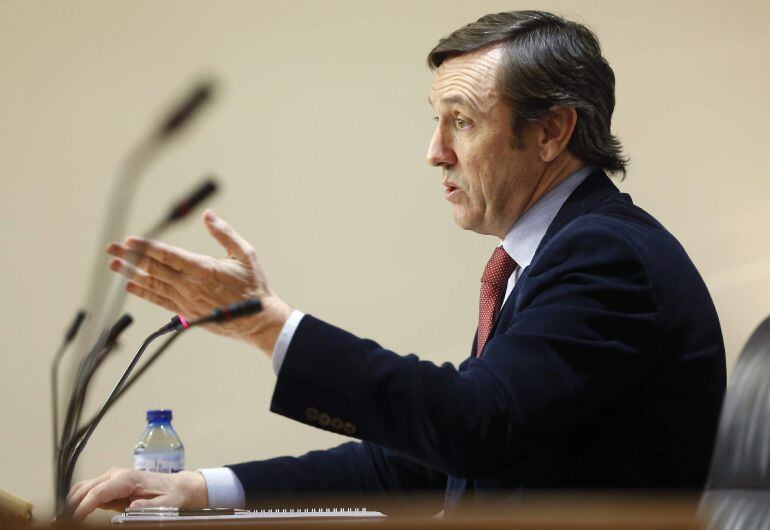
x,y
121,199
69,464
68,337
131,380
106,343
177,323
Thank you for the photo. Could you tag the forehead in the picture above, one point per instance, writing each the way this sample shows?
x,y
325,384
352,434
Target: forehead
x,y
468,77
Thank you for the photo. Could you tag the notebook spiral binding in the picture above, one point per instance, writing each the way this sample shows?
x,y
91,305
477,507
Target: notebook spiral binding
x,y
309,510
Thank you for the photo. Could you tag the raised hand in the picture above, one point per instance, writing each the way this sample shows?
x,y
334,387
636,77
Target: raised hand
x,y
119,488
194,284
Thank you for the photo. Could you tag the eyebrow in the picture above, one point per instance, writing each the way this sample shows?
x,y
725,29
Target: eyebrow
x,y
454,99
448,100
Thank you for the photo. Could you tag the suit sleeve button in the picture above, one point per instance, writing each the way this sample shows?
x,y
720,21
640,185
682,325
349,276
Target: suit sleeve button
x,y
336,424
311,413
324,419
349,428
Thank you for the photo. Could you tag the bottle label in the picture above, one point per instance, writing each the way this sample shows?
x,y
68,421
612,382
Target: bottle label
x,y
159,463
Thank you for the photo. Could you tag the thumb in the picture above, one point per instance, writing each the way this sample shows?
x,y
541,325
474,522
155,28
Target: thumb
x,y
235,245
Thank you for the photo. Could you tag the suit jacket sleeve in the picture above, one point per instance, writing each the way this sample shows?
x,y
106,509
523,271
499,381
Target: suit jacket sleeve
x,y
352,467
583,333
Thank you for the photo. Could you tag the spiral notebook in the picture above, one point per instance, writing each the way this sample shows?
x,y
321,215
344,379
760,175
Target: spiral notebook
x,y
170,515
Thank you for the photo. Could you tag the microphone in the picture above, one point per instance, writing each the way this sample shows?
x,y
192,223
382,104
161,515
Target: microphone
x,y
183,207
177,323
224,314
183,113
121,197
119,327
75,326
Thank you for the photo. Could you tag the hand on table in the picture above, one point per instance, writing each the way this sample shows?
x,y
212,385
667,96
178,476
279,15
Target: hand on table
x,y
193,285
119,488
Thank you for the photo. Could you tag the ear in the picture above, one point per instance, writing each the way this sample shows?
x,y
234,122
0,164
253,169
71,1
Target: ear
x,y
555,132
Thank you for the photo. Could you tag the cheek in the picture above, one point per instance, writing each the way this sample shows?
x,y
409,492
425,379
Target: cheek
x,y
500,184
474,173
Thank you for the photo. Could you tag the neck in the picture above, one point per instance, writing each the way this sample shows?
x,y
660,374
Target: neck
x,y
554,174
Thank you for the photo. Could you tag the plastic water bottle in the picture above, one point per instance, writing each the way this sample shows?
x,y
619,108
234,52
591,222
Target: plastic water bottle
x,y
159,448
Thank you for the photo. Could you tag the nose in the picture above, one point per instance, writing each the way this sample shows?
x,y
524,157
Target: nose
x,y
440,152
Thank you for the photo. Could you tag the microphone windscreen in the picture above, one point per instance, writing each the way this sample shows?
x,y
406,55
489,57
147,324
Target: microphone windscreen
x,y
230,312
198,196
75,326
182,114
119,327
242,309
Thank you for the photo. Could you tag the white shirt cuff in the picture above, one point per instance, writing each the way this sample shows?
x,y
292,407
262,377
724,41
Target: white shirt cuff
x,y
224,488
284,339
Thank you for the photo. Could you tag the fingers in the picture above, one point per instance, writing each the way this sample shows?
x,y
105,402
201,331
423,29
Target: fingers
x,y
144,279
118,486
156,285
157,299
175,258
144,262
79,490
227,236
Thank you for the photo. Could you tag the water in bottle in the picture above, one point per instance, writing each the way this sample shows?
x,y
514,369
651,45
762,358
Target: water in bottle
x,y
160,448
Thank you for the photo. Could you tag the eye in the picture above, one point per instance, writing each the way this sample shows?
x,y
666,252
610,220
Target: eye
x,y
460,123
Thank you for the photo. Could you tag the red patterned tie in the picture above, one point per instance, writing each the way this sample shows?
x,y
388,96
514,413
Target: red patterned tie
x,y
493,282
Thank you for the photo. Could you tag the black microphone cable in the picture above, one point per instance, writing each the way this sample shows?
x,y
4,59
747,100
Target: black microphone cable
x,y
68,337
72,331
84,373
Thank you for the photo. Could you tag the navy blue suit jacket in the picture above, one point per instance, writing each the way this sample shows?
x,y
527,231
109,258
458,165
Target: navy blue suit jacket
x,y
605,369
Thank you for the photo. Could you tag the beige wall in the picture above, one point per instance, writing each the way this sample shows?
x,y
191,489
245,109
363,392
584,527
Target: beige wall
x,y
319,136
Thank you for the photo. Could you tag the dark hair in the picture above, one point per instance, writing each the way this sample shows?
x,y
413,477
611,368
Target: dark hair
x,y
548,61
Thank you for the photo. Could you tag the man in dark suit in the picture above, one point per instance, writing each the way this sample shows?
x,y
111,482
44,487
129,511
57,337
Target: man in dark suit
x,y
598,360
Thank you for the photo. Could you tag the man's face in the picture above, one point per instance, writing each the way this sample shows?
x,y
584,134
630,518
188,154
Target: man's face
x,y
488,180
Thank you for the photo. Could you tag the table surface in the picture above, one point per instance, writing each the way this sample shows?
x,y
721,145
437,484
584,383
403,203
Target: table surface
x,y
543,511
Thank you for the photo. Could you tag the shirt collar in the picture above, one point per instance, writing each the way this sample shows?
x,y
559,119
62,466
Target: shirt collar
x,y
525,235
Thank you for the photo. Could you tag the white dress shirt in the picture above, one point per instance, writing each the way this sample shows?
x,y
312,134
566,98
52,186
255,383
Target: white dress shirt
x,y
521,242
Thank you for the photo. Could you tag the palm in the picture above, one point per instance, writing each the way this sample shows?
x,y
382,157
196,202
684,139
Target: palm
x,y
193,284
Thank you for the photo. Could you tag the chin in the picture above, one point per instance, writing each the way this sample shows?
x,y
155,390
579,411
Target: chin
x,y
475,224
466,222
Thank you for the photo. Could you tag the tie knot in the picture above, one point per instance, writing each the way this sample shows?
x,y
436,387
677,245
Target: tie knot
x,y
499,268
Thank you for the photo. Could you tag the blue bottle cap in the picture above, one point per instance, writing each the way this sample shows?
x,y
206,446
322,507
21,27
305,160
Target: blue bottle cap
x,y
159,415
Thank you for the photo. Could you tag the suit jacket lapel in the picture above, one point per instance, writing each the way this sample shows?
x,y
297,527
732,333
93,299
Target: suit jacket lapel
x,y
587,196
592,191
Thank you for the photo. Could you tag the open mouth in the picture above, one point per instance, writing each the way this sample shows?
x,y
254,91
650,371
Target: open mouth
x,y
450,191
